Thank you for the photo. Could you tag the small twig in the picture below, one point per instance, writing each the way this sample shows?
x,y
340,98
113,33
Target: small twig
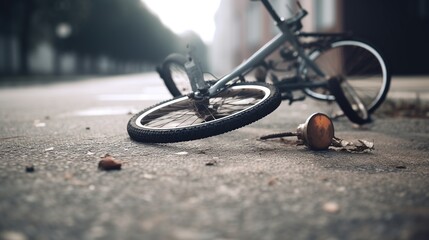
x,y
278,135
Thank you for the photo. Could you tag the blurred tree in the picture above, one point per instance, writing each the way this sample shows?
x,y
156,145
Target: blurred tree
x,y
8,12
122,30
61,17
33,20
15,21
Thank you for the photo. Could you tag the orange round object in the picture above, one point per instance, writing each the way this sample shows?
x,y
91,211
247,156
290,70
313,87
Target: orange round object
x,y
317,132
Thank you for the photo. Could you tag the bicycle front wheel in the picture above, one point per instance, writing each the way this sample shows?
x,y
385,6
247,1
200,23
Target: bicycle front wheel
x,y
183,118
359,64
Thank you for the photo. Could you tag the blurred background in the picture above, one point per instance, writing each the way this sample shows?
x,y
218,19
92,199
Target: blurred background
x,y
84,37
90,37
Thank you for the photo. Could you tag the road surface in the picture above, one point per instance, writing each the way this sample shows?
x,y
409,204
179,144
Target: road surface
x,y
231,186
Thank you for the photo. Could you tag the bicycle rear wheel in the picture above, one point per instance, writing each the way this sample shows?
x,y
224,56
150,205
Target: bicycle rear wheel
x,y
183,118
359,64
173,73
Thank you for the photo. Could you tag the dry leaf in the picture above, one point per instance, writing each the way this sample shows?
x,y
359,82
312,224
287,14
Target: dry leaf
x,y
363,146
108,163
272,181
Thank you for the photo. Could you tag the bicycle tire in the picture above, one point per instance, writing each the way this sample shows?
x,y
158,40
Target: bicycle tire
x,y
173,73
362,66
349,103
178,119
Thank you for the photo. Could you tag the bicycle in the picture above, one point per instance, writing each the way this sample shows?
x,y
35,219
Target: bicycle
x,y
215,107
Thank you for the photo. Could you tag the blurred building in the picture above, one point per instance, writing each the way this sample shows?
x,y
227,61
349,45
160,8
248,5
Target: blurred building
x,y
399,29
243,26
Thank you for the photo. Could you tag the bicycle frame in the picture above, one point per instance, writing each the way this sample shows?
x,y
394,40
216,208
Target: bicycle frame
x,y
285,35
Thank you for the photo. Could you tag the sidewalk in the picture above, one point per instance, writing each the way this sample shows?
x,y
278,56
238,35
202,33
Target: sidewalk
x,y
409,88
408,96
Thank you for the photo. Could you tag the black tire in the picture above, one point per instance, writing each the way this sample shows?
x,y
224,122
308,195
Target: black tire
x,y
173,73
179,120
357,62
349,102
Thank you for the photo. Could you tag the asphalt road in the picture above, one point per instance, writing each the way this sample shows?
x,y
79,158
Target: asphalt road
x,y
231,186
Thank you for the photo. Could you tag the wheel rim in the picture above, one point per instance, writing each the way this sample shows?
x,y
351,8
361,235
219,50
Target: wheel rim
x,y
180,78
355,101
359,64
182,112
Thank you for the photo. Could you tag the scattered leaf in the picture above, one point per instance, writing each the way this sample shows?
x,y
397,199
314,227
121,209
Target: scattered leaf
x,y
88,128
341,143
108,163
362,146
367,144
401,167
273,181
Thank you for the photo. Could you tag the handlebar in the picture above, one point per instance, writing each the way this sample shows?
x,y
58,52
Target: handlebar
x,y
295,21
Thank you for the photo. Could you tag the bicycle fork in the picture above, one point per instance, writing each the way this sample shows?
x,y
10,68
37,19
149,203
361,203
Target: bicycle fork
x,y
195,75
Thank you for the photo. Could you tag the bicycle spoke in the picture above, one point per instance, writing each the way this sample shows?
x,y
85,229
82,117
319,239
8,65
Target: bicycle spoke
x,y
162,124
188,112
